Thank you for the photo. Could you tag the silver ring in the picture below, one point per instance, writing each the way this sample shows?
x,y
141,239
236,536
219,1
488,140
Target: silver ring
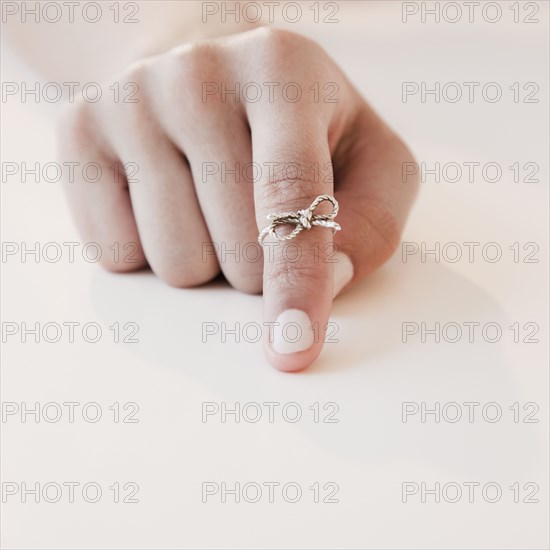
x,y
303,219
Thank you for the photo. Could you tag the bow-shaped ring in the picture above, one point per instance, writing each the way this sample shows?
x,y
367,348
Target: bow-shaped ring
x,y
303,219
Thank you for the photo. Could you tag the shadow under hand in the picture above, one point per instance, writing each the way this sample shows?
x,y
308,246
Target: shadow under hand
x,y
370,372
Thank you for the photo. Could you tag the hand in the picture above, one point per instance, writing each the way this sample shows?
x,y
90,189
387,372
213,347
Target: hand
x,y
187,210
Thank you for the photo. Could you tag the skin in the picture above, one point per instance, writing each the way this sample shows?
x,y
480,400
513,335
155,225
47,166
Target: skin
x,y
172,211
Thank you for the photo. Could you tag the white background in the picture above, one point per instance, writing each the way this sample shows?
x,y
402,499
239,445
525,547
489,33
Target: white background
x,y
369,373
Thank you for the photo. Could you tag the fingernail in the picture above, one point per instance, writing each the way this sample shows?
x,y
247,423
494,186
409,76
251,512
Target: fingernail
x,y
343,272
292,332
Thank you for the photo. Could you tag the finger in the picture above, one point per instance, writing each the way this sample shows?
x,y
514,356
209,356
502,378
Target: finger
x,y
374,200
216,139
170,223
97,192
220,165
297,286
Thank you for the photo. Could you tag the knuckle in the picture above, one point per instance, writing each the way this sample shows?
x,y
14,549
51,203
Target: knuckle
x,y
194,63
138,72
285,54
289,194
193,69
273,37
280,41
129,107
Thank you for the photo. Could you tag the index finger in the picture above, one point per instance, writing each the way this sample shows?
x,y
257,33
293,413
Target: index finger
x,y
291,149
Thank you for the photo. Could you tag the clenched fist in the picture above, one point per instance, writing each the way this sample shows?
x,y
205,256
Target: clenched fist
x,y
225,132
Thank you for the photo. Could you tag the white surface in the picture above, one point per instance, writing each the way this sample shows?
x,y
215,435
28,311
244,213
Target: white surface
x,y
370,452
